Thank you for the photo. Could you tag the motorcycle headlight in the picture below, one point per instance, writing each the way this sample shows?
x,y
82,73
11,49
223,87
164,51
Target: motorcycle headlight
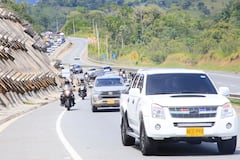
x,y
81,87
227,110
67,92
157,111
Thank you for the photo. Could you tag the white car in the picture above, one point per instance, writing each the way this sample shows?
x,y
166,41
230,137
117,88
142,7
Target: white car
x,y
173,105
107,68
92,73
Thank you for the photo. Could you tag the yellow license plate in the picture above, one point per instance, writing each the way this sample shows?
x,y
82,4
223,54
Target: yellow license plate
x,y
110,102
195,132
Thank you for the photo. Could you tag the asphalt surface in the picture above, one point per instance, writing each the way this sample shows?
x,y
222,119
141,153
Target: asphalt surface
x,y
7,114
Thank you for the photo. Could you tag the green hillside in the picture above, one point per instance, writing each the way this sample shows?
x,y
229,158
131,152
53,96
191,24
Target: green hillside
x,y
178,33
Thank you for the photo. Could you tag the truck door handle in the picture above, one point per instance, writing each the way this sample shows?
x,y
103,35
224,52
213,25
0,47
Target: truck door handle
x,y
128,100
133,101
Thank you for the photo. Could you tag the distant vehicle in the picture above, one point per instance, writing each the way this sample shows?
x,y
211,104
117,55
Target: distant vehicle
x,y
58,64
66,73
106,91
92,73
91,70
50,49
107,68
76,68
76,58
99,72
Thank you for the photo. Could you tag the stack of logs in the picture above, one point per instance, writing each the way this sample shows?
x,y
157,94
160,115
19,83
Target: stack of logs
x,y
23,65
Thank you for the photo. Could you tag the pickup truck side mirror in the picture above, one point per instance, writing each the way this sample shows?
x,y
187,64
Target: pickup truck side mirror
x,y
134,91
224,91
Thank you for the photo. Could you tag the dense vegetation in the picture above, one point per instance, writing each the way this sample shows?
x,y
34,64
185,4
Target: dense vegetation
x,y
177,32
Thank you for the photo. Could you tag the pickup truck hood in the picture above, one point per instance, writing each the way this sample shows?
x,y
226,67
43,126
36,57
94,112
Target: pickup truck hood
x,y
109,88
188,99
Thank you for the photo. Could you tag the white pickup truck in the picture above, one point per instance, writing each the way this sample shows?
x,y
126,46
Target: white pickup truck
x,y
174,105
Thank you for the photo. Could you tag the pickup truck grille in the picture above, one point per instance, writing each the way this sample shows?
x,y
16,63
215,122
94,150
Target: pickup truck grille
x,y
193,112
110,94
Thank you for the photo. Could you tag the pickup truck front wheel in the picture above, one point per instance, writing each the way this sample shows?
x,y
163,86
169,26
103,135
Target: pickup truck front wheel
x,y
126,139
94,108
146,143
227,146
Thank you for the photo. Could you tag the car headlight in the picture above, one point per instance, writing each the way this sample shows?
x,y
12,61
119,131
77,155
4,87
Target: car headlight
x,y
96,94
158,111
226,110
123,91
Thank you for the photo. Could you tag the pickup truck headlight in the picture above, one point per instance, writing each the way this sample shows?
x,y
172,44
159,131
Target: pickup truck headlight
x,y
226,110
96,94
157,111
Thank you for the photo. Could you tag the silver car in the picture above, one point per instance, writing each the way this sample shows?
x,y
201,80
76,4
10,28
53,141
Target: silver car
x,y
106,91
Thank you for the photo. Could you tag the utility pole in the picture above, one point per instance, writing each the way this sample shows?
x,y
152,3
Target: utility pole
x,y
107,47
93,25
57,24
74,28
98,43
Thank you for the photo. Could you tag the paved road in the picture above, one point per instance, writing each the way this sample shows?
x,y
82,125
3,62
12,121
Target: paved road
x,y
230,80
51,132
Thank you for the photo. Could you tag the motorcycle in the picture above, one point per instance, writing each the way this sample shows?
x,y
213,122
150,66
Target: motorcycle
x,y
86,77
82,91
66,99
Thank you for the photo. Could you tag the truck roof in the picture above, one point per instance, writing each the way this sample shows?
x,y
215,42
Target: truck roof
x,y
168,70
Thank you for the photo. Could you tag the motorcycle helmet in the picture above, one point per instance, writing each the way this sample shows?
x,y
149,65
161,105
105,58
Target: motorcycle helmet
x,y
67,81
82,80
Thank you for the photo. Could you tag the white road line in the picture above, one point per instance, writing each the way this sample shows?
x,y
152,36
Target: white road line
x,y
8,123
64,141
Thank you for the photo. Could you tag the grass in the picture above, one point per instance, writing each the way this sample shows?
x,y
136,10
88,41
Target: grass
x,y
235,102
182,60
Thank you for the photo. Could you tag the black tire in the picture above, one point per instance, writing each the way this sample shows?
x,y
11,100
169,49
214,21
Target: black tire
x,y
146,143
94,108
68,104
126,139
227,146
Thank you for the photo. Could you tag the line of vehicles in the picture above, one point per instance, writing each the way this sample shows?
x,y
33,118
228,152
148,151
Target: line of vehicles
x,y
106,86
166,106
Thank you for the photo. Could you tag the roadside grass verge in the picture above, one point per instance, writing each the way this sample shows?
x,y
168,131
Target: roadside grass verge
x,y
235,102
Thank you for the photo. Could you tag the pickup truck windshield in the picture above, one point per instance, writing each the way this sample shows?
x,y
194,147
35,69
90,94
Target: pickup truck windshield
x,y
108,82
176,83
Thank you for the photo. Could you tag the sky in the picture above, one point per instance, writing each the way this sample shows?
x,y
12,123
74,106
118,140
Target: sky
x,y
30,1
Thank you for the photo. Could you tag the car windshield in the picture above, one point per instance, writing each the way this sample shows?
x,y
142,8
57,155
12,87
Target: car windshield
x,y
91,69
108,82
178,84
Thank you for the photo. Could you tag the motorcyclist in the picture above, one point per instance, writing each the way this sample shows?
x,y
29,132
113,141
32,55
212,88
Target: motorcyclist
x,y
86,77
120,72
82,91
124,75
82,83
68,86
